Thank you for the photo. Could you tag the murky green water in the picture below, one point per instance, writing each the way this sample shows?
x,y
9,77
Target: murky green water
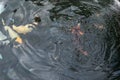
x,y
56,49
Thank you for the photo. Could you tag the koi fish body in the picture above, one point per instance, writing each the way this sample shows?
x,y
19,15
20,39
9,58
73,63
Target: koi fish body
x,y
23,29
13,34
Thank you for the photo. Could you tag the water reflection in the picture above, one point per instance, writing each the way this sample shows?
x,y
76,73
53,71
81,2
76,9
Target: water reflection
x,y
53,50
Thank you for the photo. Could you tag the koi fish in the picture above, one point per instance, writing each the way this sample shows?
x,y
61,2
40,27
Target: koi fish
x,y
12,33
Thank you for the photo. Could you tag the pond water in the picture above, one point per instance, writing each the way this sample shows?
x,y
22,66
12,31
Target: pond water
x,y
73,40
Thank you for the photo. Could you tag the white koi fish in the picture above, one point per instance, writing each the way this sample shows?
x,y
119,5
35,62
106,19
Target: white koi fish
x,y
12,33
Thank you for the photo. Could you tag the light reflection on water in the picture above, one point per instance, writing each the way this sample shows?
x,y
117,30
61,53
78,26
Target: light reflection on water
x,y
49,52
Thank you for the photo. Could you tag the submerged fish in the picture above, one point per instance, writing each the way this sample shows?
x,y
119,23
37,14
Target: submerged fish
x,y
12,33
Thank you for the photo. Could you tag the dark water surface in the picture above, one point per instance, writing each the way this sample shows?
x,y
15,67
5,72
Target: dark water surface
x,y
51,51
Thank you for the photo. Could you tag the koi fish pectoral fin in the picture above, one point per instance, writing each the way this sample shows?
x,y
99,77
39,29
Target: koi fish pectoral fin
x,y
19,40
